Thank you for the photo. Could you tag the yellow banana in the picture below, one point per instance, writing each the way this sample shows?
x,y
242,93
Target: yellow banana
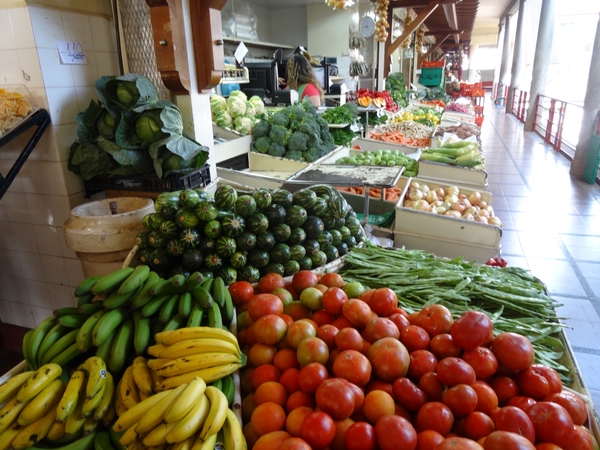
x,y
137,446
154,416
133,415
129,437
218,412
90,425
110,415
184,445
13,384
129,391
91,404
7,436
185,334
75,388
208,375
154,350
75,420
107,398
9,413
232,432
202,345
96,368
158,447
155,364
38,381
157,435
120,408
39,406
190,363
56,431
186,401
205,444
191,423
142,375
34,432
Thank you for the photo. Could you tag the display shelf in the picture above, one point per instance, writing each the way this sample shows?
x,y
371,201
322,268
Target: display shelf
x,y
260,44
237,75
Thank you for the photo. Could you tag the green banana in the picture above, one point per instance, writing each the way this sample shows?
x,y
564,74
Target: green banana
x,y
111,281
84,299
154,305
175,323
84,336
215,320
228,389
83,443
85,286
141,338
144,296
90,308
178,281
163,287
135,280
207,284
104,349
114,439
67,355
184,307
218,291
51,338
195,317
107,324
229,310
122,346
65,311
102,441
155,326
116,300
60,346
72,321
218,384
31,365
202,296
193,280
168,309
38,336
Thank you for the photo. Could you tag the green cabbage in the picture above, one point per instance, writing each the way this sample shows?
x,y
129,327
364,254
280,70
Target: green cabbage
x,y
223,119
149,125
243,125
258,104
236,106
106,125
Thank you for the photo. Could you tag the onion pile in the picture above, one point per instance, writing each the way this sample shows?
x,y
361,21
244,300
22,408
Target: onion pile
x,y
420,34
381,33
450,202
407,21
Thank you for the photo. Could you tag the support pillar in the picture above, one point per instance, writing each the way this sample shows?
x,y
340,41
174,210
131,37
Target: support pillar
x,y
518,58
499,49
505,61
591,108
541,59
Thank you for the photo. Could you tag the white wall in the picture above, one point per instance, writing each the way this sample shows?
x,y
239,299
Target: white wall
x,y
289,26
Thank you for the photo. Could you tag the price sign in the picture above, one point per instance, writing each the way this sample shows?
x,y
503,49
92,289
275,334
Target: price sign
x,y
71,52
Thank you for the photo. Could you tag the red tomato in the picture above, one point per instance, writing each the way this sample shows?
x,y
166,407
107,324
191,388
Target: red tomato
x,y
432,386
551,375
443,346
322,318
294,443
380,327
435,416
304,279
328,333
435,319
269,329
318,429
289,380
262,304
513,351
477,425
365,296
395,433
400,320
332,279
299,399
312,349
461,399
269,282
341,322
241,291
547,446
471,329
360,436
482,360
574,405
504,440
383,302
415,338
421,362
349,339
429,440
311,376
522,402
357,312
359,397
487,400
532,383
458,443
297,310
505,388
511,418
333,300
408,394
581,440
285,295
378,385
452,371
352,366
335,397
552,423
298,331
312,298
264,373
389,359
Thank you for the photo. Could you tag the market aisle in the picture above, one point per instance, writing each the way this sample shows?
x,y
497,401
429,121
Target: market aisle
x,y
551,225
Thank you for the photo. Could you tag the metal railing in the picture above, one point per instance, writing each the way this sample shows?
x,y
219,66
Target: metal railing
x,y
552,123
520,103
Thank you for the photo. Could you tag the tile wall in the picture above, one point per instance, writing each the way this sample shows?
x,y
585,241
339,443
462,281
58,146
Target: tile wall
x,y
37,270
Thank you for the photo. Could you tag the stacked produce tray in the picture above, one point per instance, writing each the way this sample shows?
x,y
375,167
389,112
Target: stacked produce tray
x,y
229,143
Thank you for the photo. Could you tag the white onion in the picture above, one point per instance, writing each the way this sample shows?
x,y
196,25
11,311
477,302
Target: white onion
x,y
475,198
431,196
461,196
459,206
483,213
414,185
440,192
451,213
451,198
422,205
481,219
415,194
491,211
470,210
447,205
452,190
466,202
409,203
495,221
483,204
440,209
468,217
425,188
437,203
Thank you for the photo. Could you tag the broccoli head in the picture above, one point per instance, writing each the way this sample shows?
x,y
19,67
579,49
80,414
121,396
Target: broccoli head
x,y
276,149
309,126
311,155
260,129
280,134
279,118
309,107
292,154
323,148
323,125
262,144
328,137
298,141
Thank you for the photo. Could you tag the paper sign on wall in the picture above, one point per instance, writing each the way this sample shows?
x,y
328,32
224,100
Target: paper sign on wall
x,y
71,52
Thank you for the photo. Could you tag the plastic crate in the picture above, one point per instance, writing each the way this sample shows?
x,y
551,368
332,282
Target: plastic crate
x,y
478,109
149,183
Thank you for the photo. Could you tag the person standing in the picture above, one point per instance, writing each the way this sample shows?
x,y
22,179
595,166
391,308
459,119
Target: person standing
x,y
301,77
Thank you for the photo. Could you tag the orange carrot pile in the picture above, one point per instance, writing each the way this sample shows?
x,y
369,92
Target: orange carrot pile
x,y
390,194
395,137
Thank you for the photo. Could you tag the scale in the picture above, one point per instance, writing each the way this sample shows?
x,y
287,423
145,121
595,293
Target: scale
x,y
346,176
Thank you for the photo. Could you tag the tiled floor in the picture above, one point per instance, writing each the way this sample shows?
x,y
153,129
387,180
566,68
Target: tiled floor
x,y
551,226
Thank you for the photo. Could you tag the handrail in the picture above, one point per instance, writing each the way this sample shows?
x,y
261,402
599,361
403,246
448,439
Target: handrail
x,y
520,104
552,123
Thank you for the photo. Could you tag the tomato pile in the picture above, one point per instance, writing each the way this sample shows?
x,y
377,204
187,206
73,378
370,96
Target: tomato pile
x,y
333,365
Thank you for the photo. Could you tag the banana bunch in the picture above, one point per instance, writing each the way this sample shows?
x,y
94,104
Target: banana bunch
x,y
184,354
136,385
188,417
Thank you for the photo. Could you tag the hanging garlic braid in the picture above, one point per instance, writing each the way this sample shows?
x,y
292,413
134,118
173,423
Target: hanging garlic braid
x,y
299,72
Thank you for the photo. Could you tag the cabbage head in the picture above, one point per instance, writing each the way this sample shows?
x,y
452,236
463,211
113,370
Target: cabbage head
x,y
148,126
236,106
217,104
240,94
250,111
258,104
243,125
223,119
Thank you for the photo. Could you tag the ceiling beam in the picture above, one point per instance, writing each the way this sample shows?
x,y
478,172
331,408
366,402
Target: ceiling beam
x,y
417,3
450,13
424,14
439,31
434,47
